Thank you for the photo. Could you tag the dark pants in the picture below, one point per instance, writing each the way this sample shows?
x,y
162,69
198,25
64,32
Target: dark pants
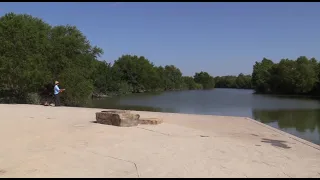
x,y
57,99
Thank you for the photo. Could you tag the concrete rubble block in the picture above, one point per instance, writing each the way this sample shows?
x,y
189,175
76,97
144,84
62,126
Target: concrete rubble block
x,y
117,118
150,121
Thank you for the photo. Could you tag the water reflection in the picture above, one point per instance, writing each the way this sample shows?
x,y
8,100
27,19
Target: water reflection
x,y
116,103
299,119
297,116
304,123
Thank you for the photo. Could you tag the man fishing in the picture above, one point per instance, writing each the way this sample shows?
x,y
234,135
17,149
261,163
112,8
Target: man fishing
x,y
57,92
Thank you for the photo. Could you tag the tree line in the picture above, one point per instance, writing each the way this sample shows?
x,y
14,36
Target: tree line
x,y
238,82
288,77
33,54
136,74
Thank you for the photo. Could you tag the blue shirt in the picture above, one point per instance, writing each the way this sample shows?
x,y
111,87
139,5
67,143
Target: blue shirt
x,y
56,90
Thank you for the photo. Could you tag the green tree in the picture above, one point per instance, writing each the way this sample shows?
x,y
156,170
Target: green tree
x,y
190,83
316,89
23,54
102,77
161,78
172,78
243,81
261,75
300,76
306,76
72,62
139,72
33,54
206,80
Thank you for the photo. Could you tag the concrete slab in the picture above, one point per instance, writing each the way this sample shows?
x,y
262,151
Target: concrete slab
x,y
38,141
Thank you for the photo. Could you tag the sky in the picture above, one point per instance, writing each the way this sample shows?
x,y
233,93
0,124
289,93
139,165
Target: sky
x,y
219,38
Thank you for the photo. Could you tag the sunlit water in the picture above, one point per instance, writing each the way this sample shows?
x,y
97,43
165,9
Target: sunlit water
x,y
297,116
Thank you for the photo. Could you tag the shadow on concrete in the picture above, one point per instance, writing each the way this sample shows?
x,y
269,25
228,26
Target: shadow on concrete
x,y
276,143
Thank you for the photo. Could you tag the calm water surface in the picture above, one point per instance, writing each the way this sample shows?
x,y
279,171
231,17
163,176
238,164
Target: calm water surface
x,y
297,116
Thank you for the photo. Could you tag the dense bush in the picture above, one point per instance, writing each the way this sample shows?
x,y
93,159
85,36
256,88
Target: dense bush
x,y
240,82
300,76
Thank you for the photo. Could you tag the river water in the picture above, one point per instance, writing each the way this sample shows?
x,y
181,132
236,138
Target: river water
x,y
297,116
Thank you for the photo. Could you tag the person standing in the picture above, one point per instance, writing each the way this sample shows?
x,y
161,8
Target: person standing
x,y
57,91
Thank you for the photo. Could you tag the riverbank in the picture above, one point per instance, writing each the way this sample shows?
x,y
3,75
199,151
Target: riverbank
x,y
40,141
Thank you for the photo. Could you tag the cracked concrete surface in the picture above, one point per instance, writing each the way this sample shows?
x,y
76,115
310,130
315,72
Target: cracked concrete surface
x,y
38,141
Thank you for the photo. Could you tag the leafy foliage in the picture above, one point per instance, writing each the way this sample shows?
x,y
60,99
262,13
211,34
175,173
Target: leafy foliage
x,y
33,54
300,76
240,82
206,80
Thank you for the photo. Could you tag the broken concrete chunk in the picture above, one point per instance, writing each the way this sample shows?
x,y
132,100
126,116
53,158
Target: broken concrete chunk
x,y
124,118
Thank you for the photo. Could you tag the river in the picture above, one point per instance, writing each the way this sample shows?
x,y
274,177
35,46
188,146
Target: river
x,y
297,116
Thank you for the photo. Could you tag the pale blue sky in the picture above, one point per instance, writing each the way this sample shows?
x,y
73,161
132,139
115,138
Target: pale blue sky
x,y
220,38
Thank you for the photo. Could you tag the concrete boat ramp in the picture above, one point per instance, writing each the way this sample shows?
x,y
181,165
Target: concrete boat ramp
x,y
38,141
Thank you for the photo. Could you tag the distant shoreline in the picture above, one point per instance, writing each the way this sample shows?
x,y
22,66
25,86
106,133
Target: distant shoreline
x,y
110,95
